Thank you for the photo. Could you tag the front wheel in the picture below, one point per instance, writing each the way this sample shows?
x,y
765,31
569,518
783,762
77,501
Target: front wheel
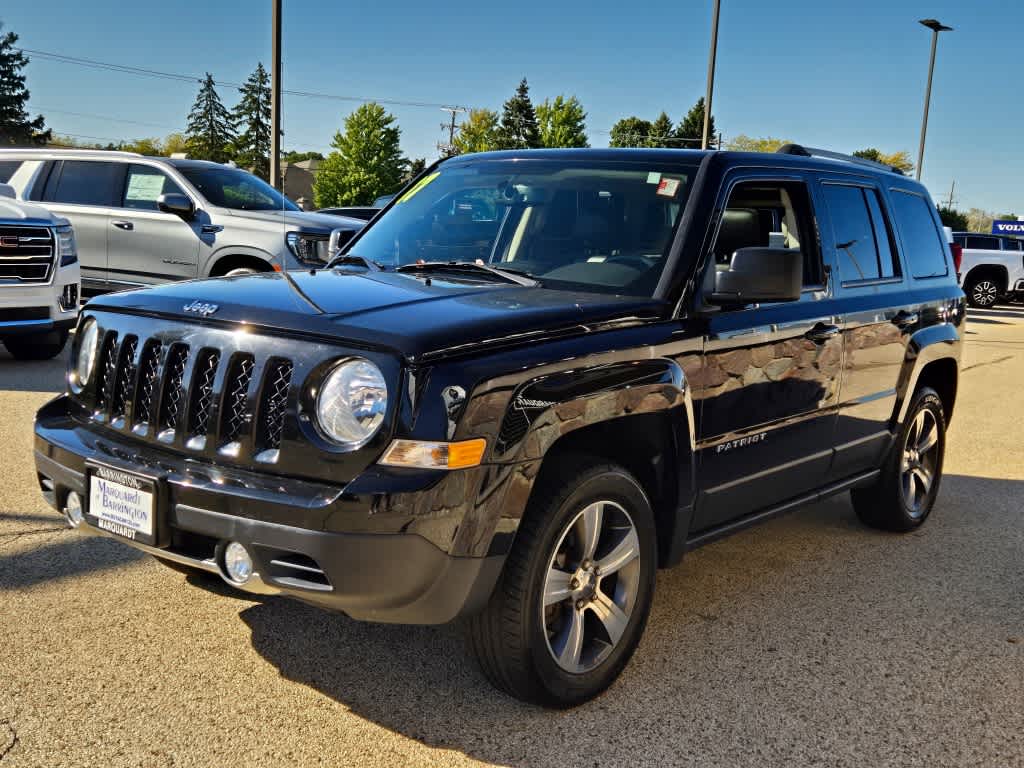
x,y
573,600
982,292
37,346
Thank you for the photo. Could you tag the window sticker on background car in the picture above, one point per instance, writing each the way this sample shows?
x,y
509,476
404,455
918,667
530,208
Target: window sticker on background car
x,y
668,187
654,177
419,185
144,186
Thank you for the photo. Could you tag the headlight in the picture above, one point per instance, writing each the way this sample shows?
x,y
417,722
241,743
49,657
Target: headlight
x,y
66,247
351,404
88,341
307,247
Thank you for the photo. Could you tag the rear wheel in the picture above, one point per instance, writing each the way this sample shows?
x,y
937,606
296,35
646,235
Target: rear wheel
x,y
37,346
573,600
902,497
982,291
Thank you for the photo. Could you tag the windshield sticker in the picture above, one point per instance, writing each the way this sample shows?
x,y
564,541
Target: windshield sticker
x,y
654,177
668,187
417,187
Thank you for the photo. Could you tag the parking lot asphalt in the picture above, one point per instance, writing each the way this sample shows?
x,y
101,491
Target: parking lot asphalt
x,y
810,640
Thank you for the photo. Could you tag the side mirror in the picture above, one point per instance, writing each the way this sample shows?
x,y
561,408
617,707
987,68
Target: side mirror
x,y
6,190
758,275
176,203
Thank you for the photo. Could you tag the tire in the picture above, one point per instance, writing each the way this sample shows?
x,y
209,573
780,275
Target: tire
x,y
37,346
516,637
887,504
983,291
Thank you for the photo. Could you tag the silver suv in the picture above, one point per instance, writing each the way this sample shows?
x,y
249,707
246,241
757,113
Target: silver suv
x,y
146,220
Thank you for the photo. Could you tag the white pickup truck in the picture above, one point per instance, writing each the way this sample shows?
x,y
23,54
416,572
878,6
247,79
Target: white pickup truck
x,y
39,279
992,268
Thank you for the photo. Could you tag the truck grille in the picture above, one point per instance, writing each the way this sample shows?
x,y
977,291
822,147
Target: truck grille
x,y
26,254
198,398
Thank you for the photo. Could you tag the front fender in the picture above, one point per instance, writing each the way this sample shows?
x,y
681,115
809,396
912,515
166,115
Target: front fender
x,y
936,342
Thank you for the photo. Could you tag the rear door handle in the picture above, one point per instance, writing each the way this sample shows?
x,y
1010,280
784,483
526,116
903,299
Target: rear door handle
x,y
125,225
821,333
905,319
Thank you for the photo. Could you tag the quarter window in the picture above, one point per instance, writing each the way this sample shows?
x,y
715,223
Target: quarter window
x,y
862,238
1012,245
982,243
83,182
924,244
146,184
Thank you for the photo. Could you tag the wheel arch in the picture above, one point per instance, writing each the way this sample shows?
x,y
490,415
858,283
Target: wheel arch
x,y
224,263
999,272
933,359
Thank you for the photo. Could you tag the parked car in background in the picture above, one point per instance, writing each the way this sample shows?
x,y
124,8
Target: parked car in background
x,y
514,414
383,200
147,220
992,268
365,213
39,279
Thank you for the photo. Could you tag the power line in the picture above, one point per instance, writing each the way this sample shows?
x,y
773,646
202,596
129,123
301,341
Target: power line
x,y
107,118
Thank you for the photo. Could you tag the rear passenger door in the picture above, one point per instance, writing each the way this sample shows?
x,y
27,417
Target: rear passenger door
x,y
878,318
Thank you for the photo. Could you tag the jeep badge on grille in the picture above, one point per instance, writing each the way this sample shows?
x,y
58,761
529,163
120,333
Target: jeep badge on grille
x,y
201,308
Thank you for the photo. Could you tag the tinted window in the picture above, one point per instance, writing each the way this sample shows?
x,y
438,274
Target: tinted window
x,y
145,185
857,247
960,240
86,183
982,243
924,244
7,169
887,260
231,188
1011,245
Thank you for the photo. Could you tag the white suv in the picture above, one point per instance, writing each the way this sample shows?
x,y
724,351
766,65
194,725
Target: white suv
x,y
39,279
146,220
992,268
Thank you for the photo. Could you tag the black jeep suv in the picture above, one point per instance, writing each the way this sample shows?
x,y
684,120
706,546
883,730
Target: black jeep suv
x,y
534,379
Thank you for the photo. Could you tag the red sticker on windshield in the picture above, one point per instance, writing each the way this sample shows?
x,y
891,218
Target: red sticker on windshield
x,y
668,187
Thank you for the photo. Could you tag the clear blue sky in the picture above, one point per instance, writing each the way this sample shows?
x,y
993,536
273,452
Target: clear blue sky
x,y
833,74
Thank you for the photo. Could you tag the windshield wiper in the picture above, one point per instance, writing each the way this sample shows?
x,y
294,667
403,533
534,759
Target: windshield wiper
x,y
351,258
468,267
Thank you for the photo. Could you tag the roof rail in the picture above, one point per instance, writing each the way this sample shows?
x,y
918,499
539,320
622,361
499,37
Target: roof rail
x,y
802,151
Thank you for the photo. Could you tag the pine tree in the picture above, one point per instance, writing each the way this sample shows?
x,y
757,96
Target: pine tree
x,y
518,129
16,127
251,122
691,128
562,123
662,134
209,131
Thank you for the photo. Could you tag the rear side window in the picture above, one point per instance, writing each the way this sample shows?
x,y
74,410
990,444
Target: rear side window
x,y
981,243
1012,245
924,244
863,241
83,182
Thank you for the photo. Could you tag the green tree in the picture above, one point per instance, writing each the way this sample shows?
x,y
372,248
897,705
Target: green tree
x,y
630,132
16,126
979,220
519,129
413,169
952,218
478,133
1006,216
899,159
366,163
251,123
562,123
298,157
744,143
661,133
691,127
209,131
175,143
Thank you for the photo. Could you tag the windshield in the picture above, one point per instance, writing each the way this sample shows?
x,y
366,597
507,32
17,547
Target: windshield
x,y
575,225
233,188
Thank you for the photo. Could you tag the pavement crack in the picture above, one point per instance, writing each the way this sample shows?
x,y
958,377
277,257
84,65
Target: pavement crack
x,y
10,538
8,738
988,362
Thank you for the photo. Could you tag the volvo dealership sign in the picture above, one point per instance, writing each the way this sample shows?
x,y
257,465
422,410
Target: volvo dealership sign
x,y
1007,227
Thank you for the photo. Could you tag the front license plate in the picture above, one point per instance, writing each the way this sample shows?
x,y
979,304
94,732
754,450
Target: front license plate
x,y
123,503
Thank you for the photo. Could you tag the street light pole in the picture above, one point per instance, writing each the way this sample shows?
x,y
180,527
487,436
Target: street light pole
x,y
275,95
711,77
935,27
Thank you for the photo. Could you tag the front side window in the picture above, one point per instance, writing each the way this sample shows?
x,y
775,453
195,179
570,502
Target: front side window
x,y
7,169
85,182
228,187
145,185
924,244
597,226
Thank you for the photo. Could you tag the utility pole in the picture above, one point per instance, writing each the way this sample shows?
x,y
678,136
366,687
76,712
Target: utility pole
x,y
275,95
935,27
711,77
949,203
449,148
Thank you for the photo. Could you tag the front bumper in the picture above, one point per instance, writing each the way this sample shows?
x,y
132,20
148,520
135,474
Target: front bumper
x,y
45,298
293,529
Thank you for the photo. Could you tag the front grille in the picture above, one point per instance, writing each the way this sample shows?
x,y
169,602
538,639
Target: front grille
x,y
193,390
26,254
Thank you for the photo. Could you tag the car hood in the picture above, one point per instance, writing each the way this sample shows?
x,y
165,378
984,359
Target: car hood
x,y
27,213
301,220
384,310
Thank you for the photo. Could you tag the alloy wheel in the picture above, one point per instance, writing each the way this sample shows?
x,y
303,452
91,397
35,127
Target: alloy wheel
x,y
985,293
920,462
590,587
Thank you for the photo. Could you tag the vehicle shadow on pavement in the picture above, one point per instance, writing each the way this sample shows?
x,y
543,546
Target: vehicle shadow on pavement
x,y
63,556
1015,313
770,631
41,376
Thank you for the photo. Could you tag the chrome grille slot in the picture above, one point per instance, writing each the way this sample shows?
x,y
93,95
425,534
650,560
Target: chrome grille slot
x,y
173,401
124,380
201,405
149,378
235,415
273,404
26,254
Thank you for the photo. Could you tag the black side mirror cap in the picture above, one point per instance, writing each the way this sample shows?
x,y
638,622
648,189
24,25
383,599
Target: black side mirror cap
x,y
760,275
176,203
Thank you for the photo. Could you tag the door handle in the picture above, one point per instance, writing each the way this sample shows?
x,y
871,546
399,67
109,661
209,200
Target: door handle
x,y
821,333
905,319
125,225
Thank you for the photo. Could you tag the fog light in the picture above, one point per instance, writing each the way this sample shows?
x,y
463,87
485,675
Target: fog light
x,y
73,509
237,562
